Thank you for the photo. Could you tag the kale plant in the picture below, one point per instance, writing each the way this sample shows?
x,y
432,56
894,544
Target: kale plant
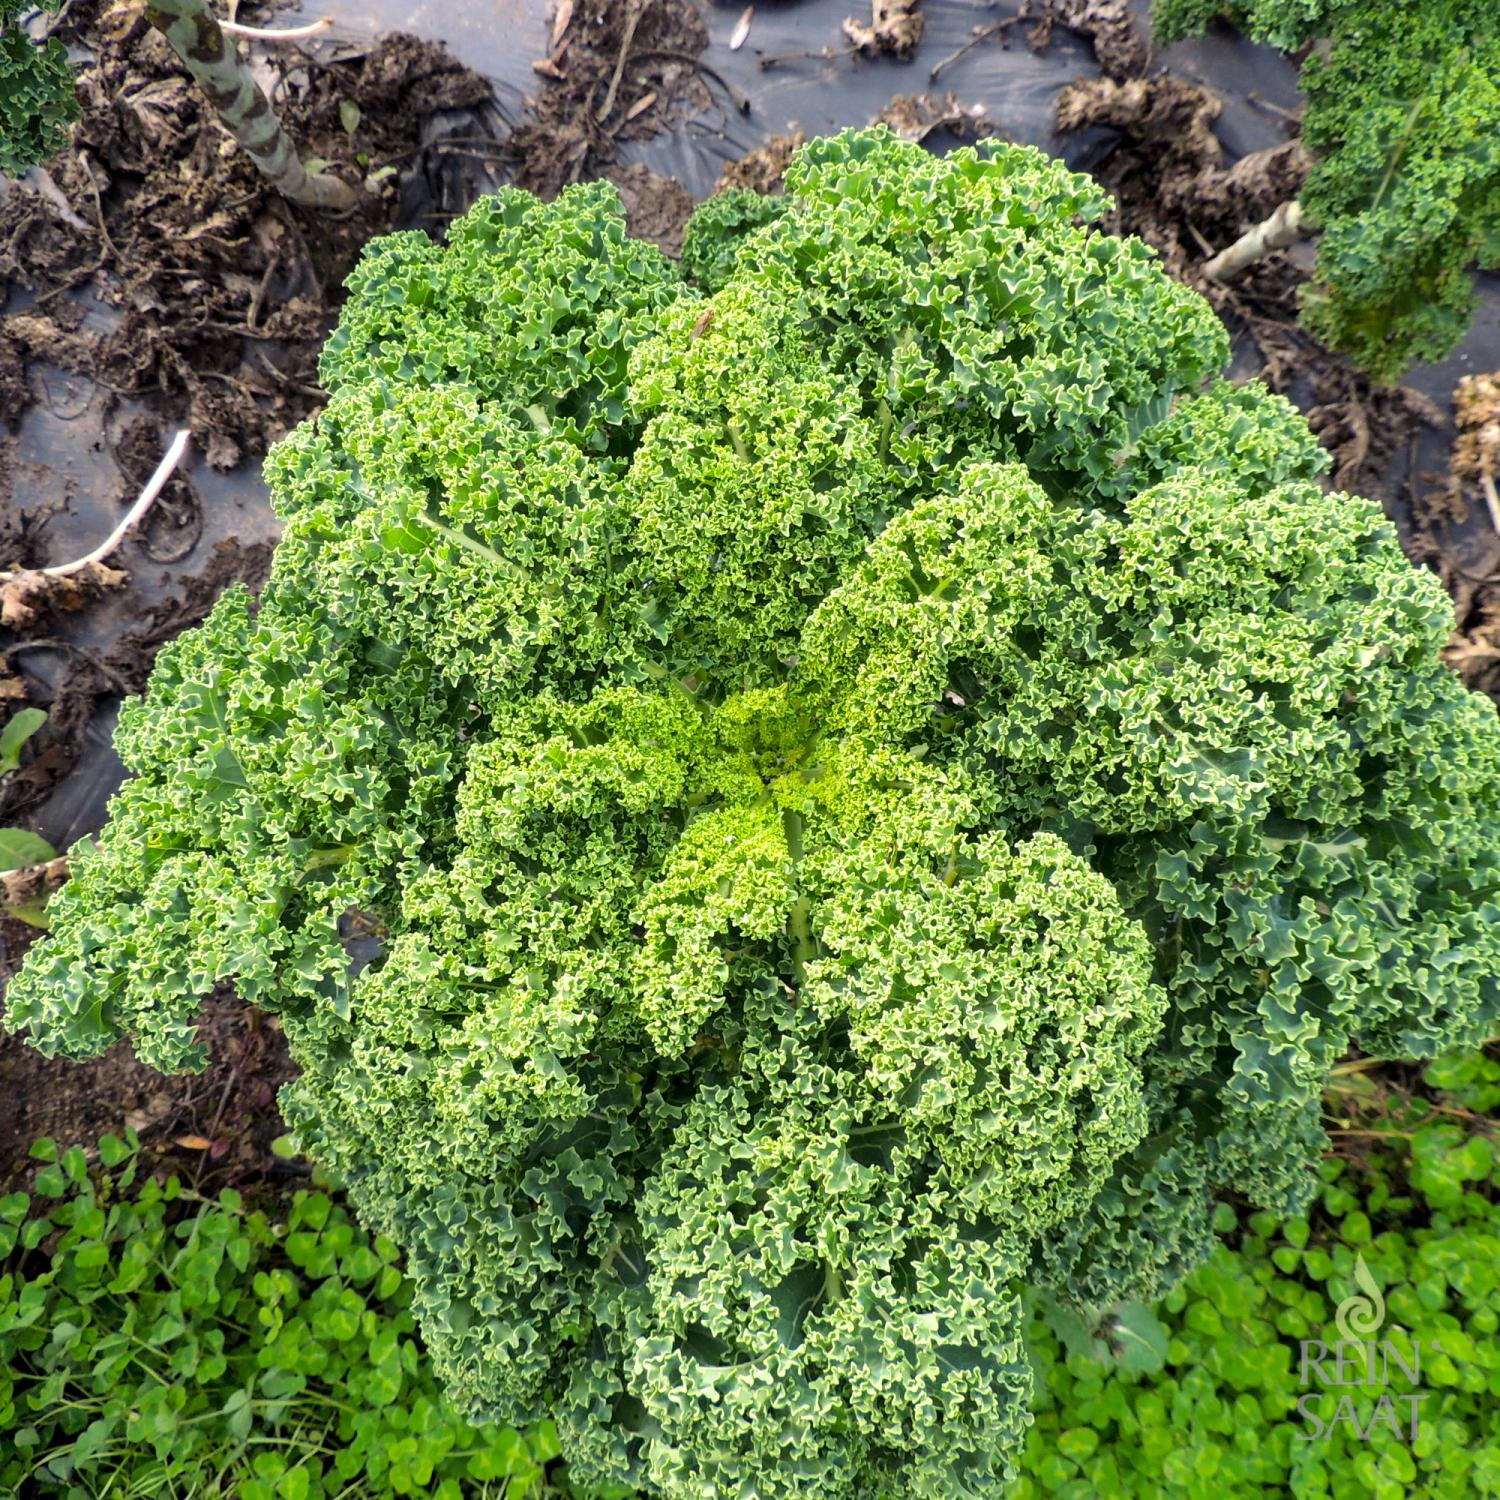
x,y
884,782
1403,117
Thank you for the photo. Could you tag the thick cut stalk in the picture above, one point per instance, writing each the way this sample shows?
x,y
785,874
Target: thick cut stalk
x,y
1283,228
217,68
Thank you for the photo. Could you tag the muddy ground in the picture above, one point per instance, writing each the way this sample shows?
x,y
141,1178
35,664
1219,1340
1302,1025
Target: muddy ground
x,y
219,1123
149,264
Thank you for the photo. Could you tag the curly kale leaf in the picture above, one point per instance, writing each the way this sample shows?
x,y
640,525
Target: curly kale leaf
x,y
36,91
1402,106
717,229
884,784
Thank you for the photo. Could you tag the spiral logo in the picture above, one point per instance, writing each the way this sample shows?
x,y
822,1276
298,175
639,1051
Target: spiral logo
x,y
1360,1316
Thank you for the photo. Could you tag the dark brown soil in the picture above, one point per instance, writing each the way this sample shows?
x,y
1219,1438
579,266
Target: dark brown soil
x,y
657,208
618,70
217,1124
220,292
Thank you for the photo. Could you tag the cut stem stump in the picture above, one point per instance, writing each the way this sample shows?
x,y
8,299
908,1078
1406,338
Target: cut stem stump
x,y
212,58
1283,228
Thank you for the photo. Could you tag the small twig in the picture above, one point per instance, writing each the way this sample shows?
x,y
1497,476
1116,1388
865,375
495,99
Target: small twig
x,y
290,34
1491,499
636,11
1204,248
246,332
498,152
154,486
84,276
283,379
981,35
499,149
272,266
1356,1065
769,60
740,101
1483,1121
234,1074
1275,109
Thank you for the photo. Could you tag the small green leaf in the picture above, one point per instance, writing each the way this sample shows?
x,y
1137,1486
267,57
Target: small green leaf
x,y
19,848
1078,1443
32,913
294,1484
18,729
1138,1338
112,1150
240,1414
51,1183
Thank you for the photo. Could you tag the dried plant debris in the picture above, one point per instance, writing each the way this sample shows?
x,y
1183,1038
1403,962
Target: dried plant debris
x,y
218,292
607,57
32,594
1476,451
12,686
893,30
1119,47
1473,650
761,170
1169,174
914,117
25,889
